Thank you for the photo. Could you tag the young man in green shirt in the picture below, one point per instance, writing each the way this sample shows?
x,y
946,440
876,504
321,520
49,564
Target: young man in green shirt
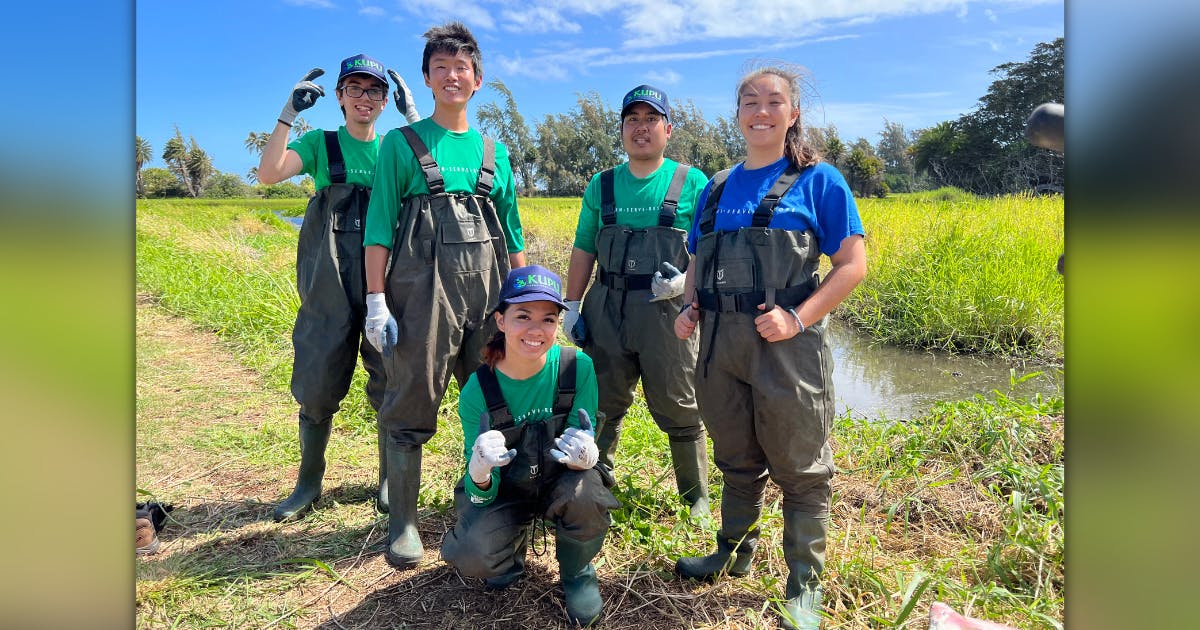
x,y
633,223
328,330
442,232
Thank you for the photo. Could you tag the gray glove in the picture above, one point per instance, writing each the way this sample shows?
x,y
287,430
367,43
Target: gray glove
x,y
577,447
669,286
403,98
304,95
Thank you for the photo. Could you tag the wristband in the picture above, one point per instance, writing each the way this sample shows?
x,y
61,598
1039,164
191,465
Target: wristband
x,y
798,322
284,122
685,307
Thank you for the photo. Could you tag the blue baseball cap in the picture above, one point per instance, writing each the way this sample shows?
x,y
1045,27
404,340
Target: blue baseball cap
x,y
655,97
362,64
531,284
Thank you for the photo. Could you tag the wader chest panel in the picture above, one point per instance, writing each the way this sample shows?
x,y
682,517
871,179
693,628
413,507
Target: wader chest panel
x,y
627,258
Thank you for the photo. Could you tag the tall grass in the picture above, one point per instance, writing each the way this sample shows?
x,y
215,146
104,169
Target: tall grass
x,y
951,271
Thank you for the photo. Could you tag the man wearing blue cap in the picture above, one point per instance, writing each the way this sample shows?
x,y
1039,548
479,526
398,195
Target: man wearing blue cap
x,y
329,325
633,224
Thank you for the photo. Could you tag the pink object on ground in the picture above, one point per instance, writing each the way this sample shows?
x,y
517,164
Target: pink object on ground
x,y
943,617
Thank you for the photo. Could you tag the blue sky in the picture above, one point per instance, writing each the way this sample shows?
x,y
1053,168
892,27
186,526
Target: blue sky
x,y
222,69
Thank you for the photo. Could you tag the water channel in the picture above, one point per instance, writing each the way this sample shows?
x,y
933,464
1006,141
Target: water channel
x,y
873,380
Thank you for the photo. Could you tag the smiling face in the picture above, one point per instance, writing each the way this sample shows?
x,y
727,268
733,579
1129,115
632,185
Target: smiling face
x,y
361,109
452,78
644,132
529,329
765,111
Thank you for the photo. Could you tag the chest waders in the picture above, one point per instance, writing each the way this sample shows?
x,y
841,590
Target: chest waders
x,y
769,406
634,338
491,541
447,263
327,336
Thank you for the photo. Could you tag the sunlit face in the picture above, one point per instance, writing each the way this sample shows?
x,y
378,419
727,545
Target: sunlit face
x,y
644,132
361,109
529,328
765,111
452,78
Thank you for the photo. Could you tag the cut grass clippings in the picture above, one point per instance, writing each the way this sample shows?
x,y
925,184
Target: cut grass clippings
x,y
963,505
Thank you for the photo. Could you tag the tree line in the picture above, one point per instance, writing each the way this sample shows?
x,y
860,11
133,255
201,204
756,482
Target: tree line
x,y
983,152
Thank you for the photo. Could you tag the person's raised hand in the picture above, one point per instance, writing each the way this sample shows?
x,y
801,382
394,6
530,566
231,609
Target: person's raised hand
x,y
304,95
403,98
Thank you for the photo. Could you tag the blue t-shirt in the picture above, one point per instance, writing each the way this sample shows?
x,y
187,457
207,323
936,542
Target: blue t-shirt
x,y
819,201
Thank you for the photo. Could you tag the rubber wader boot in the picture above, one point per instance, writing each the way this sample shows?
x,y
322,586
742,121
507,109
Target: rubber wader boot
x,y
404,480
580,588
607,439
501,582
735,543
314,437
690,461
381,500
804,552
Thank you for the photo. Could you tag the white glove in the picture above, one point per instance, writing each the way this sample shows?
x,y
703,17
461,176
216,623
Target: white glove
x,y
488,452
572,324
577,447
404,98
380,326
670,286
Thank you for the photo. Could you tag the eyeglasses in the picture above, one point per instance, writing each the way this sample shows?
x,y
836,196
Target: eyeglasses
x,y
353,91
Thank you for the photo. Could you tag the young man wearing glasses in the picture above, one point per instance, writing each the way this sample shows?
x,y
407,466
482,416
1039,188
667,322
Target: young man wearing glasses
x,y
328,335
633,224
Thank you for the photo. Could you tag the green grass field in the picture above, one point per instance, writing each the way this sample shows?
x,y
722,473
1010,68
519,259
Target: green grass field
x,y
964,505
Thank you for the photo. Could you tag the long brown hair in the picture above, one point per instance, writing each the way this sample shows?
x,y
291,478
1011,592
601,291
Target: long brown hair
x,y
493,352
800,152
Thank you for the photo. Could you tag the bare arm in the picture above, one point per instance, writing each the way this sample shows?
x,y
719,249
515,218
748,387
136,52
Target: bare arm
x,y
685,322
849,268
578,273
278,163
376,266
516,259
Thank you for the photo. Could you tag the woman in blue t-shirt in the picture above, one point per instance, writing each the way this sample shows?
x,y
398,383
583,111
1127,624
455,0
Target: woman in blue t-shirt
x,y
763,377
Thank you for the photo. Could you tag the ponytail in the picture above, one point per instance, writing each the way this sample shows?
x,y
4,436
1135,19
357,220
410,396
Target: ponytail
x,y
493,352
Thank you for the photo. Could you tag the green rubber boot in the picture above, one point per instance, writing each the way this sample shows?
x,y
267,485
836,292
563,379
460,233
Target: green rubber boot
x,y
314,437
578,576
607,437
381,500
404,481
690,461
804,552
502,582
735,542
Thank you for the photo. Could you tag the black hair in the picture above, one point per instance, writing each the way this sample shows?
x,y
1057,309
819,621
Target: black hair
x,y
452,38
799,151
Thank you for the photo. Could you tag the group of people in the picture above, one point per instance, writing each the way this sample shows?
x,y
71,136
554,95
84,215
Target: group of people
x,y
411,255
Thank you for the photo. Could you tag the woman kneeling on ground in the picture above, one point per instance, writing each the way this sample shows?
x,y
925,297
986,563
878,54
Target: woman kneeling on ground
x,y
529,441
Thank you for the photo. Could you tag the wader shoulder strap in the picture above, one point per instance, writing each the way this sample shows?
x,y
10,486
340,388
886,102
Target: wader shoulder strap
x,y
709,215
608,203
766,207
487,170
670,204
566,382
337,164
433,174
501,417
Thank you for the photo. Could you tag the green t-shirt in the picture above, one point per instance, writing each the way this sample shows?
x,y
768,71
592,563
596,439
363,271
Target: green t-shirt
x,y
459,156
359,157
529,400
637,201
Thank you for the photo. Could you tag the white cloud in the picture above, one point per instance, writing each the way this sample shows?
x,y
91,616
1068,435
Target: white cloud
x,y
468,12
537,20
666,77
372,11
990,15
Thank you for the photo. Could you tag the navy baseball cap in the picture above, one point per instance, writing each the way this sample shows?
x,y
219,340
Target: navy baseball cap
x,y
531,284
655,97
362,64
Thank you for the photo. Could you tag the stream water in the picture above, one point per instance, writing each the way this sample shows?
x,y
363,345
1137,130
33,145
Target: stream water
x,y
881,381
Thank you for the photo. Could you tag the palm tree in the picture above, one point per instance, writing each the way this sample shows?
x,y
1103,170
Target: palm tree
x,y
301,126
257,141
175,155
252,175
142,155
